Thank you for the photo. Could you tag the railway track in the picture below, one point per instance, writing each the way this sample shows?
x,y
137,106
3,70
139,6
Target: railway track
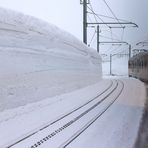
x,y
88,124
64,122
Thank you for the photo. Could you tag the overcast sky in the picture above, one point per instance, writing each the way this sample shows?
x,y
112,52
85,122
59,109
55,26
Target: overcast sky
x,y
67,14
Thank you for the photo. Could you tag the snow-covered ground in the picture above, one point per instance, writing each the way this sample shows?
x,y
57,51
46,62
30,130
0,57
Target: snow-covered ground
x,y
52,91
117,127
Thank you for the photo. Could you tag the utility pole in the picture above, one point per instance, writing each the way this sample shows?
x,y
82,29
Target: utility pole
x,y
110,64
110,23
98,39
111,55
87,24
111,60
85,21
84,2
130,50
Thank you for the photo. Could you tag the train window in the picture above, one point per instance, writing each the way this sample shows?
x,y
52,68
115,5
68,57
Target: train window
x,y
137,63
129,64
141,64
145,63
132,65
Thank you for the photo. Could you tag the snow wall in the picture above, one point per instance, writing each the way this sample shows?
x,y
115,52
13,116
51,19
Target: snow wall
x,y
38,60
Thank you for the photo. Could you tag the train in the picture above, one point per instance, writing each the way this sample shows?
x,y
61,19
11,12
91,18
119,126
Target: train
x,y
138,66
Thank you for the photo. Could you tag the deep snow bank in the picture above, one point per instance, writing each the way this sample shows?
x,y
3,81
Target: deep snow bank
x,y
38,60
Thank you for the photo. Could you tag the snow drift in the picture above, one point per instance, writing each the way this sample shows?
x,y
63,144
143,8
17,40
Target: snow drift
x,y
38,60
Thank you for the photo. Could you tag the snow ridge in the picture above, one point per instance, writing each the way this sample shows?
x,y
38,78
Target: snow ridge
x,y
39,61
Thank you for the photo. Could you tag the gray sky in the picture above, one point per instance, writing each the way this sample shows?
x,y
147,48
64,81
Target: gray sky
x,y
67,14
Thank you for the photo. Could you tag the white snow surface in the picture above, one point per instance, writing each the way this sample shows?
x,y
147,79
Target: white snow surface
x,y
38,61
117,127
46,73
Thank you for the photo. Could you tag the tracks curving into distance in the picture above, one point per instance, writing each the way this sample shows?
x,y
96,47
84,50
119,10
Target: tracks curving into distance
x,y
58,119
79,113
88,124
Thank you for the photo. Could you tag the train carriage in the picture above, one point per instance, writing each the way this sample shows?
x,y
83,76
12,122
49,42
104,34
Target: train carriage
x,y
138,66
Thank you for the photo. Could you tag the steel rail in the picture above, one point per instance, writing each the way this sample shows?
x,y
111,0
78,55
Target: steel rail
x,y
69,123
58,119
78,133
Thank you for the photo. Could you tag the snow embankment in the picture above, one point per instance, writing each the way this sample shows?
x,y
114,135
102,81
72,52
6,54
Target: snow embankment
x,y
38,61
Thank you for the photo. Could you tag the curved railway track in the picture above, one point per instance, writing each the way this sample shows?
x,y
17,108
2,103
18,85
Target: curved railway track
x,y
79,113
88,124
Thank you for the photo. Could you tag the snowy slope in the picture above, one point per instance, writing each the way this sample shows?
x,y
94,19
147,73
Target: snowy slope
x,y
38,60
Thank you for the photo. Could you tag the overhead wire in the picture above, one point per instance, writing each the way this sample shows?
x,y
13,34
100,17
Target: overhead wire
x,y
112,11
97,16
92,12
91,9
112,49
122,52
110,38
116,49
111,34
105,16
122,34
101,20
89,19
92,37
94,32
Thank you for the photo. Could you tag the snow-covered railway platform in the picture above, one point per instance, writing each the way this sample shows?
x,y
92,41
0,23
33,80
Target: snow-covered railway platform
x,y
105,114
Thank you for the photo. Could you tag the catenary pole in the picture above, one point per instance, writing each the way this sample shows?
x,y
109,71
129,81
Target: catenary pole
x,y
130,51
85,21
110,64
98,39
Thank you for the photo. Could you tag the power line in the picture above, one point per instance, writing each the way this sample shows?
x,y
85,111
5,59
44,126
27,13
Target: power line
x,y
122,34
89,19
116,49
92,37
105,16
93,12
113,49
97,16
110,38
113,34
112,12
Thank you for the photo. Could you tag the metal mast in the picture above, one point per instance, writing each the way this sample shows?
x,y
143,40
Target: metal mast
x,y
84,2
85,21
98,39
